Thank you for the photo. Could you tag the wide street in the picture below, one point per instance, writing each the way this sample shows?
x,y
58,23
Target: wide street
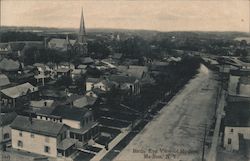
x,y
176,133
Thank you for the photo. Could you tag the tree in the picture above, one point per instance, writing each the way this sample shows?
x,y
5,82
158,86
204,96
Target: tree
x,y
64,81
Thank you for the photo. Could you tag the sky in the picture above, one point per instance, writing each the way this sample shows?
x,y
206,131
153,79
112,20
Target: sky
x,y
161,15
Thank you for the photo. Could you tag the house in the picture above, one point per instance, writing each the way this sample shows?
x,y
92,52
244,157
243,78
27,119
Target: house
x,y
87,61
136,71
41,137
236,124
11,96
9,65
77,73
96,83
238,88
91,94
126,83
4,49
65,65
83,126
90,82
82,66
4,80
43,73
63,72
84,101
60,44
6,120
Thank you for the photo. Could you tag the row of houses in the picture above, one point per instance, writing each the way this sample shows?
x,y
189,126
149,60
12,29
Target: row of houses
x,y
237,110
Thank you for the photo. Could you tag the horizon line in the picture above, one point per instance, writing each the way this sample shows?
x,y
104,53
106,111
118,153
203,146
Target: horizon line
x,y
106,28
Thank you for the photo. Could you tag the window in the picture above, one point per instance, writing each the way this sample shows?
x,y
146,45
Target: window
x,y
232,130
20,144
20,133
32,135
229,141
47,149
47,139
6,136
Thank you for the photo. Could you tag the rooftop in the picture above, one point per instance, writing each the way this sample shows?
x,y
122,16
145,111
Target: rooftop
x,y
4,80
122,79
37,126
19,90
66,143
238,114
9,65
71,113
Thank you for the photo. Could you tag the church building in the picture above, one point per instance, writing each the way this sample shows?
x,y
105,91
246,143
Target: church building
x,y
78,46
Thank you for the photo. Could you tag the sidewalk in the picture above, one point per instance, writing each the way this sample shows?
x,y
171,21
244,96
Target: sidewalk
x,y
212,155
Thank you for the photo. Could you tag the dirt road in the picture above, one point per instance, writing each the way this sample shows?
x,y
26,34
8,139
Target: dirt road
x,y
177,132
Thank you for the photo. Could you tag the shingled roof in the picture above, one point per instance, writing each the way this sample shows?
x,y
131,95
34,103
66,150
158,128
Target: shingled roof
x,y
37,126
19,90
9,65
71,113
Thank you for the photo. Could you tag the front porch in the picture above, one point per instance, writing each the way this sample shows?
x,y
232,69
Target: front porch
x,y
66,147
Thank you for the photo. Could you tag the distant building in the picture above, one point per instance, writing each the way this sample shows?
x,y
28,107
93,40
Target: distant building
x,y
13,95
126,83
78,46
60,44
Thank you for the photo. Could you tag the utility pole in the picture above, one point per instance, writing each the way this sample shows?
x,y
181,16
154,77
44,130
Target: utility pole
x,y
204,143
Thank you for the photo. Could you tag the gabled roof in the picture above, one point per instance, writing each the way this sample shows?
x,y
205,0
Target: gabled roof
x,y
63,70
84,101
93,80
37,126
4,80
87,60
134,70
19,90
71,113
60,43
82,66
9,65
66,143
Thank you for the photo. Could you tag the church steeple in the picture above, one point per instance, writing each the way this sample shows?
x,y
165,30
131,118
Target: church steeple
x,y
82,37
82,32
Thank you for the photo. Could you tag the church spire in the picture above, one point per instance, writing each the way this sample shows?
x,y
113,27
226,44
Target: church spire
x,y
82,32
82,42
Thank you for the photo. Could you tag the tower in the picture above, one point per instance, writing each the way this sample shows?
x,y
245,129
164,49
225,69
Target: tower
x,y
82,49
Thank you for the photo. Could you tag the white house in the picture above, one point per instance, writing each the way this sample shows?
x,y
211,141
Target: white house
x,y
41,137
236,125
83,126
